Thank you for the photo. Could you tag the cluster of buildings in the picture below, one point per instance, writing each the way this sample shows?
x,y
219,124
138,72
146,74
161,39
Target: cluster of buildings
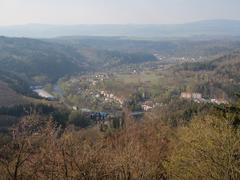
x,y
149,105
197,97
111,97
193,96
99,77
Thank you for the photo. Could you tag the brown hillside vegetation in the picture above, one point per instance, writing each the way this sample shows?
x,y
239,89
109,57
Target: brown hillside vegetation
x,y
136,152
207,148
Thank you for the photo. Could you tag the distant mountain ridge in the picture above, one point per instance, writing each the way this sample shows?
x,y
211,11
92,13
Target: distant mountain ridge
x,y
199,28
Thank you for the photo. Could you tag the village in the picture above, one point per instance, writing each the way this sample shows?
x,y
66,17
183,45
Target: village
x,y
87,93
198,98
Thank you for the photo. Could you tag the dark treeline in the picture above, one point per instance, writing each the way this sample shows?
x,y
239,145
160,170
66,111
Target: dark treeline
x,y
59,116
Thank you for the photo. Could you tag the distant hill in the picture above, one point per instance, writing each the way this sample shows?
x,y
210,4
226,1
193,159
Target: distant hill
x,y
100,58
171,47
215,28
227,65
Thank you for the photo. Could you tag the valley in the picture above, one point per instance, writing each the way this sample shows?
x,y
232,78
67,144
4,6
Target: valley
x,y
112,94
119,90
102,74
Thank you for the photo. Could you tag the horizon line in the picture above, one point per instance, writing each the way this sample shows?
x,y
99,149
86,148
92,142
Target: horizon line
x,y
124,24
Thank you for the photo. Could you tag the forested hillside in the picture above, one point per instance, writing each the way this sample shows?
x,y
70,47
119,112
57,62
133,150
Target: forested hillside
x,y
38,61
216,78
206,147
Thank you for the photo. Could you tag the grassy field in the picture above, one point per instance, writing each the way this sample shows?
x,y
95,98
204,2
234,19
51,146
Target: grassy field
x,y
151,78
126,83
160,84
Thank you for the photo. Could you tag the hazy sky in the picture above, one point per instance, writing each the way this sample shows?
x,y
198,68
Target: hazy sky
x,y
115,11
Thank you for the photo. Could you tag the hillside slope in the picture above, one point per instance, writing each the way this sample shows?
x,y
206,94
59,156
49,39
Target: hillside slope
x,y
38,61
218,78
8,97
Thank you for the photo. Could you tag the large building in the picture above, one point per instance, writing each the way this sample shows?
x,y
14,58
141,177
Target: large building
x,y
186,95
